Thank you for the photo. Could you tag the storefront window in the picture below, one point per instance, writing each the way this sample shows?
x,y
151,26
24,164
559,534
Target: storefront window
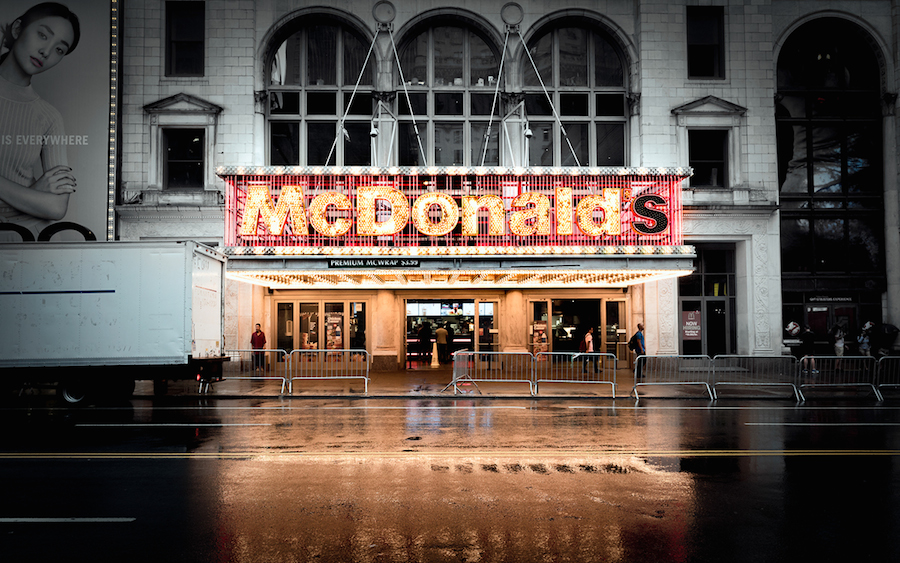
x,y
334,326
540,329
309,326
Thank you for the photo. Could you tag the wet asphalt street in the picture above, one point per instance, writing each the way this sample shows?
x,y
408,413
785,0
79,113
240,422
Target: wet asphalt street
x,y
408,480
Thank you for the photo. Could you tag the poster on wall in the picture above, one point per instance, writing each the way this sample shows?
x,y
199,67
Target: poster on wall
x,y
690,325
57,119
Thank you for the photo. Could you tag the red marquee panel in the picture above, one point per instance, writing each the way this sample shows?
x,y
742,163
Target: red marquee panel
x,y
541,208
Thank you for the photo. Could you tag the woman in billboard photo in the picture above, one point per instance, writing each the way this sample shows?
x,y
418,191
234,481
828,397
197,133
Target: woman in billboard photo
x,y
35,179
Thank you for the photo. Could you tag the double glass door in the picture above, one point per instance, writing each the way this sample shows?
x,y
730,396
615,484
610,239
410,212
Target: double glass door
x,y
321,325
559,325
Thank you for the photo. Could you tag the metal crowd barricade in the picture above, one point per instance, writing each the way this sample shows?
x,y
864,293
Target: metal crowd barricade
x,y
273,366
839,371
495,367
672,370
888,372
767,371
575,367
328,365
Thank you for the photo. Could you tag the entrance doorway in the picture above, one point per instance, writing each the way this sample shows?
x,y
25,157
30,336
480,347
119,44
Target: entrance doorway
x,y
558,325
320,325
470,325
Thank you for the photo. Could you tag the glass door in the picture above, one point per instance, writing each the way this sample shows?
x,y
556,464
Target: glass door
x,y
488,333
616,335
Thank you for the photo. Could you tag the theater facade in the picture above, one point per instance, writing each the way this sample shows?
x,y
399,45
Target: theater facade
x,y
519,172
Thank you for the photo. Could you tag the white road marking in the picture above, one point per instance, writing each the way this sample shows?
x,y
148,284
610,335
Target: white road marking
x,y
66,520
838,424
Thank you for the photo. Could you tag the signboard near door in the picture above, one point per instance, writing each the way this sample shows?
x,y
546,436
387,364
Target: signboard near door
x,y
691,329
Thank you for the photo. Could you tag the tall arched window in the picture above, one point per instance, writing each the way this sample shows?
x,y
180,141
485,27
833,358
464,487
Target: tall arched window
x,y
829,117
583,70
312,74
451,73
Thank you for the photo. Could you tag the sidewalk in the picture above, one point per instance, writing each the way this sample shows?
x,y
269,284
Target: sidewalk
x,y
412,383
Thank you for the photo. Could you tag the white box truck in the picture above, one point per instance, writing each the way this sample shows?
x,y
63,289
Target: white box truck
x,y
93,317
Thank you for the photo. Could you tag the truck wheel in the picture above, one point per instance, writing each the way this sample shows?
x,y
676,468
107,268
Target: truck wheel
x,y
73,391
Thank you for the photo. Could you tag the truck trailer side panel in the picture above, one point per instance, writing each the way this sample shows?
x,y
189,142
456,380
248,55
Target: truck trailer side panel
x,y
108,304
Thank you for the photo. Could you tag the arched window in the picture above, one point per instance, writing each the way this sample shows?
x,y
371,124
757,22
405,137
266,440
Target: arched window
x,y
312,74
583,70
829,132
450,73
830,147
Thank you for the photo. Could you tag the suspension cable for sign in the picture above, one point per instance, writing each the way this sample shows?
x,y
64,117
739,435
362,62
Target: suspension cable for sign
x,y
487,134
341,130
552,107
408,101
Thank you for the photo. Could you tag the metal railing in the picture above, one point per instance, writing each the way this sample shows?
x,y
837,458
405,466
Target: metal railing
x,y
673,370
766,371
888,372
839,371
497,367
307,365
575,367
273,365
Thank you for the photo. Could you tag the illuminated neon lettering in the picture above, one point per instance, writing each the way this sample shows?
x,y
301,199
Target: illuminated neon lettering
x,y
496,214
367,223
318,209
610,202
539,214
563,210
260,205
449,214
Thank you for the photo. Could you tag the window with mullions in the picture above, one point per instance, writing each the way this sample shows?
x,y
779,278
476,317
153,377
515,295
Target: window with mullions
x,y
185,31
450,73
312,75
584,73
707,154
828,117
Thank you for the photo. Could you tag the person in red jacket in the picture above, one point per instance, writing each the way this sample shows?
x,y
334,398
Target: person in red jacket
x,y
258,342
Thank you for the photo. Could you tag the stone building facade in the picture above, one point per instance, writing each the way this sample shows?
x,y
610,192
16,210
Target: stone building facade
x,y
792,143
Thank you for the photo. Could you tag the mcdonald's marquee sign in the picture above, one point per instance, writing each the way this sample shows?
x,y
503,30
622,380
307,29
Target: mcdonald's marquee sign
x,y
453,211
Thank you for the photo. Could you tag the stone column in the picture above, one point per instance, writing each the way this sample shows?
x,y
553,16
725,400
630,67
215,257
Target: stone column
x,y
386,330
513,323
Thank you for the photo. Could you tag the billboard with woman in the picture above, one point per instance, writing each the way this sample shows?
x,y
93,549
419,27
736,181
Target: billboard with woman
x,y
57,119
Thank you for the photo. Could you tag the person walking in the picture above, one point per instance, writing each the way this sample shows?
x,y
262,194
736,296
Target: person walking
x,y
258,342
639,348
865,339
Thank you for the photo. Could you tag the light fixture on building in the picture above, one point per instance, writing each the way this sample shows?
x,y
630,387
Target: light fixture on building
x,y
528,132
373,132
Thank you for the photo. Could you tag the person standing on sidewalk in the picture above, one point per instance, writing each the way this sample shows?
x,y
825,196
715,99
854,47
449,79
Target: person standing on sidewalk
x,y
258,342
589,350
807,350
441,335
